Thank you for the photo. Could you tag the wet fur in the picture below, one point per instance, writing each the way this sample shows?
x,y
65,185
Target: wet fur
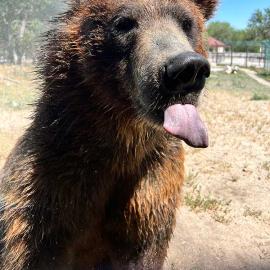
x,y
92,182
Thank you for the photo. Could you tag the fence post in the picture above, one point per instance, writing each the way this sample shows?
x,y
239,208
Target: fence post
x,y
267,55
231,55
264,58
247,56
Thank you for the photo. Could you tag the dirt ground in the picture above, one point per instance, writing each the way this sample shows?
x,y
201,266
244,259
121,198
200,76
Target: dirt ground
x,y
224,221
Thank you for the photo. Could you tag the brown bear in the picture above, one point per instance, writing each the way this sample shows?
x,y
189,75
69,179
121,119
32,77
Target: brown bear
x,y
95,181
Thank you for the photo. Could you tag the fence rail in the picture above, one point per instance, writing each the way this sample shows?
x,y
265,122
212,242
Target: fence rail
x,y
252,54
238,58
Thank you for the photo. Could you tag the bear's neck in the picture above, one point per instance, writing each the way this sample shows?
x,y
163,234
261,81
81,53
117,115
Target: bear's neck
x,y
78,129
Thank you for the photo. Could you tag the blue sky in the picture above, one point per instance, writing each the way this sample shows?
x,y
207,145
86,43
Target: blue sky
x,y
238,12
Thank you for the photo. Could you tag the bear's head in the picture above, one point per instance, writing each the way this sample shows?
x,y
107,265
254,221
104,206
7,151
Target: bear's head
x,y
145,55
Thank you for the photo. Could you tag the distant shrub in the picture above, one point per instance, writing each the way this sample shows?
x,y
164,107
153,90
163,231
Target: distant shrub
x,y
260,97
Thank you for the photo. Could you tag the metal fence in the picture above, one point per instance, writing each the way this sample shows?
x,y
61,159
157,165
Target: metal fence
x,y
244,54
267,55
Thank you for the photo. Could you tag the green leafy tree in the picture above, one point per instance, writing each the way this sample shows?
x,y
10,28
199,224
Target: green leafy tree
x,y
229,35
221,30
21,22
259,25
240,41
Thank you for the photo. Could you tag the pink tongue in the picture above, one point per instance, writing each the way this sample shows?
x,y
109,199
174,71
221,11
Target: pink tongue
x,y
183,121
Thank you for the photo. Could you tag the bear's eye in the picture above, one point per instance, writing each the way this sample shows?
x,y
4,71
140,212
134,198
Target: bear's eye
x,y
125,25
187,25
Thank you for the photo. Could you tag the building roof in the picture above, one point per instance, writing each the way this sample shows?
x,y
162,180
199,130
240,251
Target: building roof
x,y
212,42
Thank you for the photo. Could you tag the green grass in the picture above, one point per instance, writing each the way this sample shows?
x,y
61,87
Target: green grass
x,y
236,83
218,209
264,74
198,202
261,72
260,97
17,87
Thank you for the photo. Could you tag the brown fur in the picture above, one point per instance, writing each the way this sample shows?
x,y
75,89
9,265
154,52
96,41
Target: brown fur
x,y
207,7
92,183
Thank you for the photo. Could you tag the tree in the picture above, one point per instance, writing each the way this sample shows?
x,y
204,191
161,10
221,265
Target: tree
x,y
259,25
222,31
231,36
20,23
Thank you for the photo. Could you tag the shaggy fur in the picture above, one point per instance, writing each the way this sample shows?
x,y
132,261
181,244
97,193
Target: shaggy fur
x,y
94,183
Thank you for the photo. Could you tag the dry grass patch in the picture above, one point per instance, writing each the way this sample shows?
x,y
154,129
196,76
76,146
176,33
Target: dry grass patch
x,y
252,213
17,91
197,202
17,87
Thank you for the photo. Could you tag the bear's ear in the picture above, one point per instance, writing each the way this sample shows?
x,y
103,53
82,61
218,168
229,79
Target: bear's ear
x,y
207,6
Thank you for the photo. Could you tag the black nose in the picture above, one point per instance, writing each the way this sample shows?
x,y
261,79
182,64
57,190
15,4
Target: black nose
x,y
186,73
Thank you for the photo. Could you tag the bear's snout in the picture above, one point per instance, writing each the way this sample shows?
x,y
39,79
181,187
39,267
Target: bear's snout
x,y
185,73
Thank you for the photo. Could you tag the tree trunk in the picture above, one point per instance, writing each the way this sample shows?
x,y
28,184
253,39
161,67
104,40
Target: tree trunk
x,y
22,31
19,59
19,41
10,49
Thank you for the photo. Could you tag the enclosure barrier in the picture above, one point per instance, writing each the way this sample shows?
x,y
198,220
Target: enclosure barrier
x,y
267,55
243,53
